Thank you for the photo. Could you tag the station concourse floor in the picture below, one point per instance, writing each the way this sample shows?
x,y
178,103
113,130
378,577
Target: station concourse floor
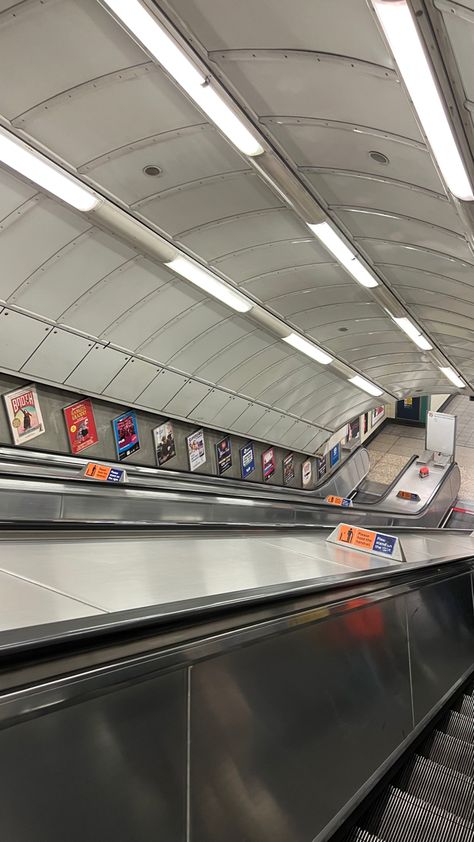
x,y
392,448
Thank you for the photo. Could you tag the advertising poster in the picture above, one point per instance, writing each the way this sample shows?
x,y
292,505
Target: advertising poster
x,y
288,468
306,473
223,455
334,455
126,434
247,460
24,414
322,465
196,449
268,464
365,428
353,430
165,446
80,425
377,414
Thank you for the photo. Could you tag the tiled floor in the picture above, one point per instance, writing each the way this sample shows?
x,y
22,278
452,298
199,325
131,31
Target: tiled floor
x,y
396,443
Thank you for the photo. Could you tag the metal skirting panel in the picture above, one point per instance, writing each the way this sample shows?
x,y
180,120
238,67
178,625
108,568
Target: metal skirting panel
x,y
112,767
441,627
284,732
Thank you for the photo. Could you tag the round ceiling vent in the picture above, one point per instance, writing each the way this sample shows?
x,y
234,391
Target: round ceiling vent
x,y
152,169
379,157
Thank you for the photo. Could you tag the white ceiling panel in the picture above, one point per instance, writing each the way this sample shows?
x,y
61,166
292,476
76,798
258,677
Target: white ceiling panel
x,y
306,85
268,421
97,369
196,353
143,320
33,235
186,328
315,276
226,415
182,156
328,25
209,408
188,397
160,391
207,200
131,380
19,337
250,264
237,377
294,303
233,356
409,280
431,260
345,146
250,416
115,294
13,193
279,430
91,120
384,195
253,229
70,273
69,26
459,21
57,356
405,230
337,314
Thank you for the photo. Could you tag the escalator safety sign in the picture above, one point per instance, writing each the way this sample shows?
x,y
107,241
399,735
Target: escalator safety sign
x,y
103,473
367,540
345,502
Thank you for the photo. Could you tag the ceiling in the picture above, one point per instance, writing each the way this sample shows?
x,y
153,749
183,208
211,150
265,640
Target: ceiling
x,y
86,308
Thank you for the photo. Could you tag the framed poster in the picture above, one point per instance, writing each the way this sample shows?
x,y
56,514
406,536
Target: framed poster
x,y
335,454
196,449
223,455
165,446
365,427
24,414
377,414
80,425
288,468
247,460
306,473
268,464
322,465
126,434
353,429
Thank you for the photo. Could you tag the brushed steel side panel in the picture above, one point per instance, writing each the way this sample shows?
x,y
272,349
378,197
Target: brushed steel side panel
x,y
441,631
110,768
285,731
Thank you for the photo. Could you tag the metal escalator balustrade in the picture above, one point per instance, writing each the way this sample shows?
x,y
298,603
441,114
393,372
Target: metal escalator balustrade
x,y
432,798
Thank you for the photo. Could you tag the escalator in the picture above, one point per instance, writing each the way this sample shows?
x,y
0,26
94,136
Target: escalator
x,y
461,516
432,797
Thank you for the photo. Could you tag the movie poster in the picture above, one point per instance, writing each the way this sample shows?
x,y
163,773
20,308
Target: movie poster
x,y
268,464
306,473
80,425
165,445
24,414
247,460
196,449
224,455
126,434
322,466
288,468
353,430
377,414
365,428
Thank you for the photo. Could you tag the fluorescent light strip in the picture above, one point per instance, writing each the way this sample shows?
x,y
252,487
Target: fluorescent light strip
x,y
366,385
308,348
37,168
209,283
333,242
160,44
402,35
412,331
453,377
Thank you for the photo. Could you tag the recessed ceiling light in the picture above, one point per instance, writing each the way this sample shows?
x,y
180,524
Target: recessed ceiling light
x,y
379,157
152,169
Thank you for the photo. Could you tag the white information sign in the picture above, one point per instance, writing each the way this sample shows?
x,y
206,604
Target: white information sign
x,y
441,433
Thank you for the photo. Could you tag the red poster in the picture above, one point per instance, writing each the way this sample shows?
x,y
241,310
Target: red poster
x,y
80,424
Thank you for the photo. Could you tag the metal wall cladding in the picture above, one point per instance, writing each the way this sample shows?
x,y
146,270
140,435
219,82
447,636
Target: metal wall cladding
x,y
112,767
441,623
283,733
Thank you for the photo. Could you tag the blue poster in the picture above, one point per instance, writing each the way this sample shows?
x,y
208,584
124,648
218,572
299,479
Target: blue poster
x,y
384,544
335,454
247,459
126,435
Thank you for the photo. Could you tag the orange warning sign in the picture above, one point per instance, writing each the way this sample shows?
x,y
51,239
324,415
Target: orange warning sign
x,y
96,471
364,539
346,502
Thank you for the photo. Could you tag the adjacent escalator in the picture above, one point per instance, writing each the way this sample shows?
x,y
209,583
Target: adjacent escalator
x,y
461,516
432,797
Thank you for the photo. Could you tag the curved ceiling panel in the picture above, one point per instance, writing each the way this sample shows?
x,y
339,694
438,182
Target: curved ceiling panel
x,y
102,315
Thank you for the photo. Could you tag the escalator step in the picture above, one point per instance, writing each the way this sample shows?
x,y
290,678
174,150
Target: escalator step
x,y
467,707
439,786
359,835
461,727
400,817
450,752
